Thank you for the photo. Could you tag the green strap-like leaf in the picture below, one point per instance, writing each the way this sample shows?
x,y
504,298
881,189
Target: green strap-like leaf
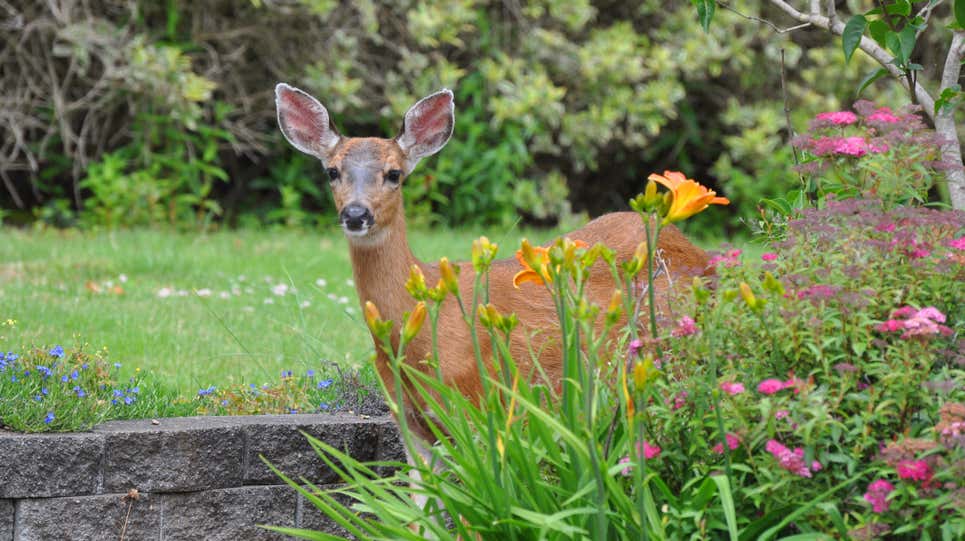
x,y
851,37
959,9
870,78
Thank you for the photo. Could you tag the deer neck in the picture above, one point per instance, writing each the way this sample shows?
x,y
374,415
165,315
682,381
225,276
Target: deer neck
x,y
381,270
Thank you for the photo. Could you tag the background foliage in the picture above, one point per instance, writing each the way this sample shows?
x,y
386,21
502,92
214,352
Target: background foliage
x,y
131,113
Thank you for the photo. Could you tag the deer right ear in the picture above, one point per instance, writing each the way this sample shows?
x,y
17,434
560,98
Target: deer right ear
x,y
304,121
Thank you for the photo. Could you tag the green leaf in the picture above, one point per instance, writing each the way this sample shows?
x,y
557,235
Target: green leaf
x,y
878,30
727,502
947,98
705,11
870,78
907,39
901,7
959,9
851,37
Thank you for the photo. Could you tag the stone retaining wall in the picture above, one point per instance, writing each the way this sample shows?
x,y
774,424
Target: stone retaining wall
x,y
196,477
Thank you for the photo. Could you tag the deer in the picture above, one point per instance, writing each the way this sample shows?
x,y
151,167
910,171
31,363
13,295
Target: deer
x,y
366,176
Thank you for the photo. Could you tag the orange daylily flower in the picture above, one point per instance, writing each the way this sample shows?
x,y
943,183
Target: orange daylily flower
x,y
689,196
539,256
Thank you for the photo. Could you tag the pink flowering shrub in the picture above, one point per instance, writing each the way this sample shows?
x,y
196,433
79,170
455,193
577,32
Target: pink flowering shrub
x,y
874,151
831,373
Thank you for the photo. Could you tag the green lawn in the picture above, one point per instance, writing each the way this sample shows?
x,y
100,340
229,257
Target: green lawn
x,y
199,310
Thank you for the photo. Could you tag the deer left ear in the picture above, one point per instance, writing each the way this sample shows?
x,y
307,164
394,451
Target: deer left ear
x,y
427,126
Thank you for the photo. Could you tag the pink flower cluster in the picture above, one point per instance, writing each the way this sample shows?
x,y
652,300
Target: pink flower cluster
x,y
649,452
769,256
884,116
686,326
733,442
916,470
838,118
729,259
914,322
877,495
958,244
792,461
732,388
847,146
770,386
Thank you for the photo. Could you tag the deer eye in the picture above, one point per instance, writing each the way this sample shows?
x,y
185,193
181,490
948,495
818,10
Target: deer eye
x,y
393,176
332,173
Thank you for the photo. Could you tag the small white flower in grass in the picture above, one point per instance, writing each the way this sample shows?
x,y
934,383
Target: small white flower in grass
x,y
165,292
122,278
321,282
305,304
343,300
332,297
241,278
350,282
280,289
350,310
224,294
204,292
269,300
248,309
249,290
182,293
236,291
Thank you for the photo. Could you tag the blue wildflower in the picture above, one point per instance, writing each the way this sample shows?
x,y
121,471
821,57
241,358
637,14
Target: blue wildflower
x,y
74,375
44,370
80,392
56,351
293,411
13,378
324,384
118,393
135,390
114,401
205,392
84,366
224,402
311,373
49,418
12,356
129,400
63,378
38,398
44,391
117,365
323,406
286,373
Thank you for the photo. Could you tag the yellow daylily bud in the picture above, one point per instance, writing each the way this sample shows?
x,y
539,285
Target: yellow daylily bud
x,y
483,253
372,315
414,321
438,293
615,309
748,295
638,261
449,275
416,284
773,285
626,396
529,255
483,316
508,323
644,372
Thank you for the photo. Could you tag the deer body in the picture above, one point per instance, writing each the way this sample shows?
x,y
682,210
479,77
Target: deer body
x,y
366,174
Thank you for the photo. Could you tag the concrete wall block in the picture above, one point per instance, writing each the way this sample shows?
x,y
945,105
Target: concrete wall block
x,y
177,455
282,443
6,520
48,465
88,518
229,514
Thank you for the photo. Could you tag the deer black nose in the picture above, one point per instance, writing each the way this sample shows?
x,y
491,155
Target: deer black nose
x,y
355,217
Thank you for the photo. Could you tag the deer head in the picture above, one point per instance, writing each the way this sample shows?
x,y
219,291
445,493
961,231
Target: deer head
x,y
365,173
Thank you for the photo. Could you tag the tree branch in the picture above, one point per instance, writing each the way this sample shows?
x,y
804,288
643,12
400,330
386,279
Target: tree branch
x,y
945,122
